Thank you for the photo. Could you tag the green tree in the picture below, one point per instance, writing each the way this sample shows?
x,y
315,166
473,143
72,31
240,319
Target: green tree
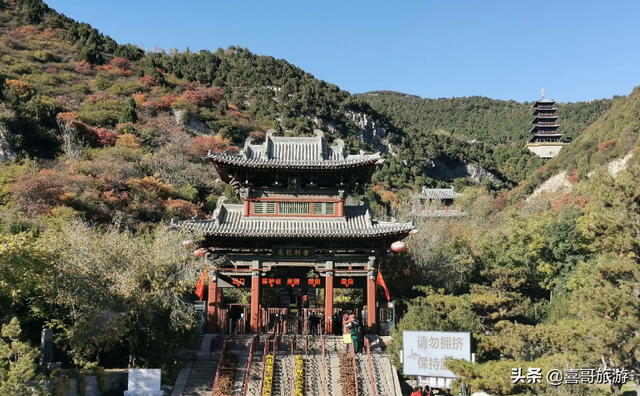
x,y
128,113
17,365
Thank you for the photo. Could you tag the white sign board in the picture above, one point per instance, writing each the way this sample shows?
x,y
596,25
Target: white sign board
x,y
144,379
424,352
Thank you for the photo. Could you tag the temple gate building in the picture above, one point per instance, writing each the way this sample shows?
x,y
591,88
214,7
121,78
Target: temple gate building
x,y
545,142
293,228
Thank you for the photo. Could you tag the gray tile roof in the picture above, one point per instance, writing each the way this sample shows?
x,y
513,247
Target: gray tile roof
x,y
227,220
298,152
440,193
545,101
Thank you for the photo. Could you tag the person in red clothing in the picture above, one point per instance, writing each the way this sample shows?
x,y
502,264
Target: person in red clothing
x,y
416,392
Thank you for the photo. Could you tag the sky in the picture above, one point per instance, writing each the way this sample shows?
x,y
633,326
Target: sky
x,y
576,50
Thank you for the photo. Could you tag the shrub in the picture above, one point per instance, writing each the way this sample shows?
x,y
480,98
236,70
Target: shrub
x,y
83,67
120,63
128,113
149,81
139,98
128,140
268,375
18,90
38,193
200,145
105,137
127,89
41,56
82,89
181,208
101,111
103,82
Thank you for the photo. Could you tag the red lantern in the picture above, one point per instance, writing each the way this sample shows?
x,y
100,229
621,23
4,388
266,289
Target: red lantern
x,y
398,246
387,255
200,252
188,244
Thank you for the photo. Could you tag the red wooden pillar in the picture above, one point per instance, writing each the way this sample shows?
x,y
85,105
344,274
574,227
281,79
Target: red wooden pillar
x,y
245,209
328,304
371,305
213,303
255,302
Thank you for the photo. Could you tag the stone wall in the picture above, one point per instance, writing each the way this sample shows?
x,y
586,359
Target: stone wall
x,y
116,382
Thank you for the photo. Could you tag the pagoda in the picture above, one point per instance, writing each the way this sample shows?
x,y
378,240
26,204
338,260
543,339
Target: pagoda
x,y
545,142
294,217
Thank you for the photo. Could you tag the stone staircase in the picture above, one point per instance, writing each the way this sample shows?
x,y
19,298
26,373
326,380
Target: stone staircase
x,y
334,345
384,373
241,348
255,375
282,369
363,374
197,375
313,367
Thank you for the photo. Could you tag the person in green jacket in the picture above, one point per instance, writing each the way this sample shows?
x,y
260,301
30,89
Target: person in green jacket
x,y
353,330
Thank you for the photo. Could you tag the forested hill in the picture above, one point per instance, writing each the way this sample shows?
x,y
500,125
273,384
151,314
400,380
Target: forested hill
x,y
54,65
490,121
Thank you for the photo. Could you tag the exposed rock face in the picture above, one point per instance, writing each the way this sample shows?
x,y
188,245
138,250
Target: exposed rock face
x,y
197,126
478,174
6,151
436,169
618,165
370,131
557,184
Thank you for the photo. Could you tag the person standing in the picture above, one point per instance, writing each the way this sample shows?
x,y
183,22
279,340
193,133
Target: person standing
x,y
353,330
360,334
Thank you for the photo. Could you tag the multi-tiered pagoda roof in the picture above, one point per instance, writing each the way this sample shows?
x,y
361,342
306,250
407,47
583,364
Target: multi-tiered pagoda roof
x,y
358,222
545,141
295,187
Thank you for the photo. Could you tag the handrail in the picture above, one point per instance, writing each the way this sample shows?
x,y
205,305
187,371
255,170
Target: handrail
x,y
264,366
324,363
353,360
215,343
293,369
373,382
306,365
225,348
254,345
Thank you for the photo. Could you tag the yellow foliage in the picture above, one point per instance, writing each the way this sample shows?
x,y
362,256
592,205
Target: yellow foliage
x,y
129,140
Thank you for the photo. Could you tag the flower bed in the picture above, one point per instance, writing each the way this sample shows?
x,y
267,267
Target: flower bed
x,y
227,372
347,375
299,391
268,375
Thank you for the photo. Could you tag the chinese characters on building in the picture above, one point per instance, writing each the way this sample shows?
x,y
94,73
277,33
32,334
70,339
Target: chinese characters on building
x,y
555,377
296,252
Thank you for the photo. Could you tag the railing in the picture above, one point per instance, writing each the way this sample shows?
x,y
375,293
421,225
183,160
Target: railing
x,y
268,342
252,349
215,343
293,369
373,382
228,344
306,365
324,363
355,371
